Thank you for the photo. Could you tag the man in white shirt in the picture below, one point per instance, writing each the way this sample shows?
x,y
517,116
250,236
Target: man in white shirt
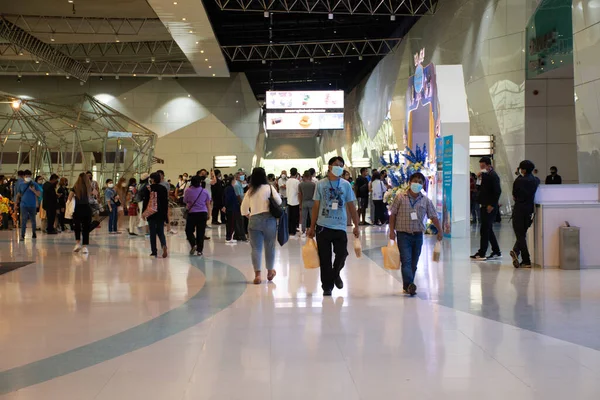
x,y
281,182
293,201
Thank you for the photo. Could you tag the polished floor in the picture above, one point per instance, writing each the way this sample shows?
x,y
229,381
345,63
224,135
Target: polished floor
x,y
118,325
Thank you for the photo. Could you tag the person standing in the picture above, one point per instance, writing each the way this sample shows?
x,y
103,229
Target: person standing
x,y
62,194
313,176
234,230
334,199
282,183
82,216
293,201
553,178
306,191
180,188
217,189
197,201
474,205
156,221
50,203
407,226
524,188
132,207
378,189
488,198
110,199
121,190
362,194
27,197
262,227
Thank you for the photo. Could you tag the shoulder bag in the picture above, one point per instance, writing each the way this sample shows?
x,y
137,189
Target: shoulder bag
x,y
152,207
186,211
275,209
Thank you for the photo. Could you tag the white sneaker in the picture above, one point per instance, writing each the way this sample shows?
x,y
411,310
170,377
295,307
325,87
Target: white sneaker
x,y
77,248
230,241
85,250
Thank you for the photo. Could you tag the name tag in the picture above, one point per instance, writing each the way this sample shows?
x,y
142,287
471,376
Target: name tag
x,y
413,216
334,205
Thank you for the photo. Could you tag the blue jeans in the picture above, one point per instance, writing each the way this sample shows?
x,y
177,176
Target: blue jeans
x,y
409,246
262,230
27,213
112,219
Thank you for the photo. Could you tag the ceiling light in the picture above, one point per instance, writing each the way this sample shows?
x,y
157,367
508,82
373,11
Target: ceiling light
x,y
206,59
153,59
19,79
191,31
197,42
189,95
16,104
87,60
134,74
264,61
210,66
174,3
20,53
68,76
237,101
117,40
360,58
37,61
47,73
70,1
160,77
117,77
81,83
101,78
51,38
312,60
392,17
330,16
183,19
214,75
201,51
266,14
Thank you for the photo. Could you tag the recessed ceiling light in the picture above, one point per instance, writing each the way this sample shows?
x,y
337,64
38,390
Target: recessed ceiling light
x,y
47,73
189,95
52,39
174,3
237,101
37,61
70,1
20,53
190,31
210,66
202,51
134,74
206,59
214,75
183,19
197,42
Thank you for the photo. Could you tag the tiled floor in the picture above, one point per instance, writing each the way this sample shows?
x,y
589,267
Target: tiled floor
x,y
118,325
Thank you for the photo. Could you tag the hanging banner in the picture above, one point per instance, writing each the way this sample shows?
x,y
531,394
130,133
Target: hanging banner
x,y
119,135
439,189
447,174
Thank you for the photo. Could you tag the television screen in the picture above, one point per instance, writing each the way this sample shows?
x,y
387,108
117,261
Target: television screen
x,y
305,110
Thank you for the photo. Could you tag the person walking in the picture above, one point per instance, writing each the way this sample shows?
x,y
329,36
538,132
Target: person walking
x,y
262,226
27,197
378,189
334,199
197,201
217,189
111,199
553,178
293,201
524,188
50,203
82,216
407,226
306,191
362,194
488,198
156,221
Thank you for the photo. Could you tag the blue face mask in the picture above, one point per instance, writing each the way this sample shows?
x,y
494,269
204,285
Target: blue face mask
x,y
416,187
337,170
242,177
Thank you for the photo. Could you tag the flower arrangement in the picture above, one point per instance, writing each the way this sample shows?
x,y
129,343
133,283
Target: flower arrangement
x,y
4,205
400,173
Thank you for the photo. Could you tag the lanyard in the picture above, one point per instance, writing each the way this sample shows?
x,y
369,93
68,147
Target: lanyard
x,y
338,185
412,203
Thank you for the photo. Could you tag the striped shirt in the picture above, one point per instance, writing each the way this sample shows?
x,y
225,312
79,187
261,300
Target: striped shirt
x,y
404,205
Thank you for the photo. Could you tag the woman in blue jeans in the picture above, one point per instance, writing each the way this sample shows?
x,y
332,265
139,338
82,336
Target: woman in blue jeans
x,y
262,227
407,226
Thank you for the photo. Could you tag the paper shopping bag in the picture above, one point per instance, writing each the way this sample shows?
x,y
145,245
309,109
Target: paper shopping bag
x,y
357,247
437,251
310,254
391,256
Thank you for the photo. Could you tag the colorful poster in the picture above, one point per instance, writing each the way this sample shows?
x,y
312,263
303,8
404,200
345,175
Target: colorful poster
x,y
439,187
447,176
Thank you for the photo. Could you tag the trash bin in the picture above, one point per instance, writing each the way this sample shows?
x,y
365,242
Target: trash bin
x,y
569,247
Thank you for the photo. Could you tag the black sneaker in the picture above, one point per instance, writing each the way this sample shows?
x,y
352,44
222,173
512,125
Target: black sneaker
x,y
193,250
478,257
412,289
494,256
34,236
515,259
327,292
339,283
525,265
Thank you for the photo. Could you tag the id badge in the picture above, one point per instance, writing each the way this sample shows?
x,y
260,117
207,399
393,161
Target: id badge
x,y
334,205
413,216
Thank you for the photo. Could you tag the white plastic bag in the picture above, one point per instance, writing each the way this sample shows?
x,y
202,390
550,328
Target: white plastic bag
x,y
357,247
70,208
310,255
391,256
437,251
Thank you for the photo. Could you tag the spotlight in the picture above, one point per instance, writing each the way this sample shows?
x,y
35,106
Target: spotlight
x,y
47,73
210,66
160,77
20,53
19,78
330,16
183,19
214,75
101,78
392,17
16,104
87,60
117,77
312,60
81,83
37,61
264,61
266,14
153,59
52,38
360,58
68,76
134,74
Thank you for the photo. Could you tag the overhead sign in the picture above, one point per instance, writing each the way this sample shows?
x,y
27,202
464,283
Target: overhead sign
x,y
119,135
305,110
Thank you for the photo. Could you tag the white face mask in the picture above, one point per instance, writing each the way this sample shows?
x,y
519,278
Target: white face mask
x,y
484,171
111,185
28,179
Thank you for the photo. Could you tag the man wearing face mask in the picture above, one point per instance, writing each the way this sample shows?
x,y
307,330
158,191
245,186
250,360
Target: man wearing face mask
x,y
28,193
488,197
553,178
50,203
524,189
407,227
282,183
334,199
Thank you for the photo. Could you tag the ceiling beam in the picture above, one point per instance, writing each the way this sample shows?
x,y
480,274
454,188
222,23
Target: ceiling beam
x,y
180,67
41,50
412,8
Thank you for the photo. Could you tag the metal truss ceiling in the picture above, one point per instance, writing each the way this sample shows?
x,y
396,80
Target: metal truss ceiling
x,y
83,25
126,49
311,50
357,7
41,50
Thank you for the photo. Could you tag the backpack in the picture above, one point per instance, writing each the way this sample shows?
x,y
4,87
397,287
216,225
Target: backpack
x,y
139,194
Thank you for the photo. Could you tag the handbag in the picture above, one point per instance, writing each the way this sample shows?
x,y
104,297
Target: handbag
x,y
186,211
70,208
283,233
310,255
152,207
275,209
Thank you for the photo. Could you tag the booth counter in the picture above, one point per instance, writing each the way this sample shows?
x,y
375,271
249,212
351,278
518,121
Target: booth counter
x,y
579,205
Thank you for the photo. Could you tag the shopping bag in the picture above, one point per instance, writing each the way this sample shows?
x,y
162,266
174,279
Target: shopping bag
x,y
391,256
437,251
70,208
357,247
152,207
283,233
310,255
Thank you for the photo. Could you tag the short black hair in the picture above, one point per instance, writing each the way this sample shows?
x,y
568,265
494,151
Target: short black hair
x,y
195,181
363,169
155,176
418,175
337,158
160,171
89,172
312,171
294,171
108,180
486,160
554,168
27,173
53,177
376,175
20,172
217,172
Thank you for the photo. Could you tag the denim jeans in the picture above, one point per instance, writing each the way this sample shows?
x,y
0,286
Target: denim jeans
x,y
306,215
112,219
262,230
409,246
27,213
157,227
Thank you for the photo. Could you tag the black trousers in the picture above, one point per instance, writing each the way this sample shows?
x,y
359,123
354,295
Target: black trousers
x,y
326,239
521,222
51,218
235,225
196,222
379,211
217,209
293,218
487,231
82,218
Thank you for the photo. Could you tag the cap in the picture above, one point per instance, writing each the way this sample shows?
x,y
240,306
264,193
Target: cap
x,y
144,176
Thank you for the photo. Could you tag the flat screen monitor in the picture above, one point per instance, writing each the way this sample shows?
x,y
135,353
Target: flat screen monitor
x,y
305,110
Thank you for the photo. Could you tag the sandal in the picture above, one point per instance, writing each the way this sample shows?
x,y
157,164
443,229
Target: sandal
x,y
271,274
257,279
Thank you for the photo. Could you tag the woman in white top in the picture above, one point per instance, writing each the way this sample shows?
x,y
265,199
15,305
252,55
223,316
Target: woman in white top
x,y
378,188
262,227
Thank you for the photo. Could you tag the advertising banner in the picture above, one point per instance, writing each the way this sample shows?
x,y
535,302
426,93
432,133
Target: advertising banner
x,y
305,110
447,176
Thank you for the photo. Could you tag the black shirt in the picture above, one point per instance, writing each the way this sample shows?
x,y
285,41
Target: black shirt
x,y
162,197
50,200
217,191
524,189
360,184
489,190
553,180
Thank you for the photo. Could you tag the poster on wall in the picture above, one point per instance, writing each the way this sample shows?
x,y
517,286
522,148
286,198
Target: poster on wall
x,y
447,179
439,188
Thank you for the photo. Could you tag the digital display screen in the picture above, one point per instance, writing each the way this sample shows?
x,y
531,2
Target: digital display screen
x,y
305,110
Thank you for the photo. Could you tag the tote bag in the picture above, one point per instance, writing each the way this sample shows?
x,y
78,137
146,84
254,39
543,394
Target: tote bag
x,y
152,206
310,255
70,208
283,234
275,209
391,256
